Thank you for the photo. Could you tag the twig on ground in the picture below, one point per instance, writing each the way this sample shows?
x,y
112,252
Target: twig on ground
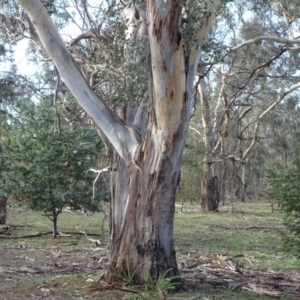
x,y
96,242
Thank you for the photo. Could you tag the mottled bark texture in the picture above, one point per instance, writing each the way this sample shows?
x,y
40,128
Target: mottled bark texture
x,y
142,215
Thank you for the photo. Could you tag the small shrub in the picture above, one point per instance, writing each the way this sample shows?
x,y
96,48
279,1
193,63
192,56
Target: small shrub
x,y
285,188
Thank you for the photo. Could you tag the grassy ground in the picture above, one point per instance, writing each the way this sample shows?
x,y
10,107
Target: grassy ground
x,y
261,243
242,235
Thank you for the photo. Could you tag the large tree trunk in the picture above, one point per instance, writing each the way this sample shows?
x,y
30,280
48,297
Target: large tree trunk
x,y
142,217
143,201
3,202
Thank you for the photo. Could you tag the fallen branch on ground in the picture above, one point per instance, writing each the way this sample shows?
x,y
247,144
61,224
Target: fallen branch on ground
x,y
250,227
66,234
96,242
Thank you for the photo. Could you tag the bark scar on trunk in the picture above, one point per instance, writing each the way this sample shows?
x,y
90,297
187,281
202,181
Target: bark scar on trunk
x,y
157,26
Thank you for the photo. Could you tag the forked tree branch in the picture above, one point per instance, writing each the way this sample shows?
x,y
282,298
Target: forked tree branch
x,y
123,138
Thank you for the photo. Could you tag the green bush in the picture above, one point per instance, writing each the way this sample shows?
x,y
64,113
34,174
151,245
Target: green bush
x,y
45,159
285,187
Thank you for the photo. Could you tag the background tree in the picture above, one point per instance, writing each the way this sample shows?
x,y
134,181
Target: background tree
x,y
247,69
285,187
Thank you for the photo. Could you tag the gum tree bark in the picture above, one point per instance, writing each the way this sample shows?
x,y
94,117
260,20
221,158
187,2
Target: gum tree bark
x,y
142,214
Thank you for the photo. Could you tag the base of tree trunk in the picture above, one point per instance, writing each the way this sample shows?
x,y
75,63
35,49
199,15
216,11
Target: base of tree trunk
x,y
142,245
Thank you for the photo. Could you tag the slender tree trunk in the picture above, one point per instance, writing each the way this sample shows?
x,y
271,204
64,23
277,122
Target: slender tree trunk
x,y
55,232
209,183
244,183
222,180
209,191
3,202
54,222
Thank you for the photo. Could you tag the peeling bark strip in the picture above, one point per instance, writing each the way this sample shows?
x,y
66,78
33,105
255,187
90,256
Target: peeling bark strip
x,y
168,67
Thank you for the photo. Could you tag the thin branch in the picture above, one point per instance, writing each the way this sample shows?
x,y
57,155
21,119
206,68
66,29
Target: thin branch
x,y
97,177
255,138
252,41
267,38
244,113
291,89
96,242
196,130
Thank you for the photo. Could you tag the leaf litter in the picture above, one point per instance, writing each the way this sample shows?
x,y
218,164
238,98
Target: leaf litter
x,y
227,272
21,258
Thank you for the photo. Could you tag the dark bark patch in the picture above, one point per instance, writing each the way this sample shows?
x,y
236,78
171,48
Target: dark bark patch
x,y
172,95
149,211
164,66
157,26
161,177
173,26
141,250
160,266
179,37
136,14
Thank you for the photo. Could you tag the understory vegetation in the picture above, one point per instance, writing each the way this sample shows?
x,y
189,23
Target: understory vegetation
x,y
236,253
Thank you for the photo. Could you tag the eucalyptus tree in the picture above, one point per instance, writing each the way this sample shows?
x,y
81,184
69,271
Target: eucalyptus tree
x,y
256,72
147,146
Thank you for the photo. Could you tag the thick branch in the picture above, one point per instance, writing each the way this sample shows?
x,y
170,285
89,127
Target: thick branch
x,y
86,35
122,137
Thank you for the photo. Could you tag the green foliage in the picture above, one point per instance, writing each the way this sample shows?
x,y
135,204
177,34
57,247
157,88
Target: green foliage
x,y
285,188
45,159
156,290
128,277
151,289
161,287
